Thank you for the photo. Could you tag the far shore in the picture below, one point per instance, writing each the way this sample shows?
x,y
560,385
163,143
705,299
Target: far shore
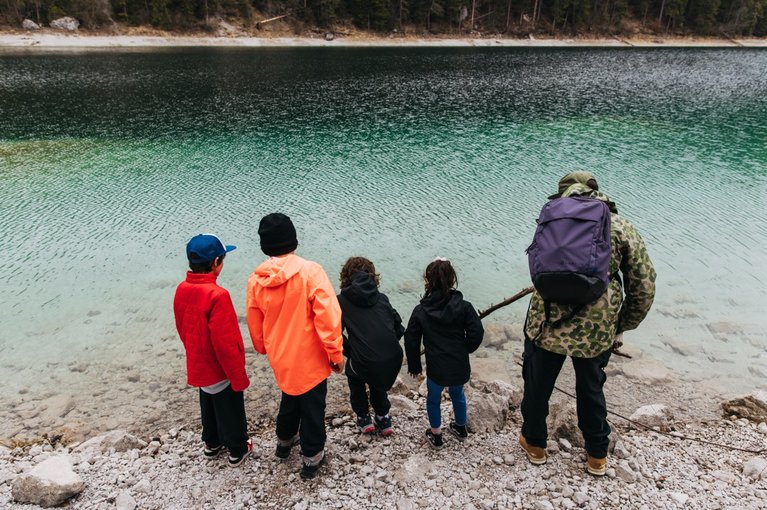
x,y
55,40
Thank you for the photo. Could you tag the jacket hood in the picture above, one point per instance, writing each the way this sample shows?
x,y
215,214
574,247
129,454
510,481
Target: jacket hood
x,y
584,190
362,291
436,309
275,271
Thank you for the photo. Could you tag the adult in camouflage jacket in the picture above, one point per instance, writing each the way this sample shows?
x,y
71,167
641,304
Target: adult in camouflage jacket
x,y
588,337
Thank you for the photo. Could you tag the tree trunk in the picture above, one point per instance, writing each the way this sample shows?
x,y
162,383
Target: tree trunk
x,y
660,16
473,4
508,17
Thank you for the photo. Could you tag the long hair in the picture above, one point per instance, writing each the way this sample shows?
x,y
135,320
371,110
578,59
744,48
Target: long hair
x,y
439,278
358,265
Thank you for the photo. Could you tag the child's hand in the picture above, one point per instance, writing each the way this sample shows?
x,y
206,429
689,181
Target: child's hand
x,y
338,369
411,374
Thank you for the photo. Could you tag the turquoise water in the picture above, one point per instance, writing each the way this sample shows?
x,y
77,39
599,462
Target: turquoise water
x,y
109,162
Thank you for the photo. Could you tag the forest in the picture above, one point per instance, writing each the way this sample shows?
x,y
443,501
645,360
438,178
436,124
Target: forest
x,y
464,18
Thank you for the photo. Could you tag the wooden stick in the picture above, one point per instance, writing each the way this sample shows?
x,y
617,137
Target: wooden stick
x,y
516,297
262,22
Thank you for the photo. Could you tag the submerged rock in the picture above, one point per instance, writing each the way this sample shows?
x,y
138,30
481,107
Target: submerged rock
x,y
752,407
50,483
66,23
647,371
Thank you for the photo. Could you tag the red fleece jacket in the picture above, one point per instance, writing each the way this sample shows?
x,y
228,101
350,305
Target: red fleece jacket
x,y
208,327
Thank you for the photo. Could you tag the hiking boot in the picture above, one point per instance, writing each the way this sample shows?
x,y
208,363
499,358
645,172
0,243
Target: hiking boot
x,y
211,452
311,466
459,431
284,446
365,424
435,440
236,461
535,454
383,424
595,466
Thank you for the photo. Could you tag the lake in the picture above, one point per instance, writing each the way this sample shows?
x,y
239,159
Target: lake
x,y
111,161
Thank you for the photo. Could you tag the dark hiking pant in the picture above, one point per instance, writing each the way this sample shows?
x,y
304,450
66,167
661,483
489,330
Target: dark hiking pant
x,y
223,420
540,370
304,415
358,395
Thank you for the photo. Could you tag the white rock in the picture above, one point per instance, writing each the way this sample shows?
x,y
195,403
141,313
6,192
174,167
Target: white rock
x,y
143,486
679,498
28,24
581,498
624,472
65,23
125,502
120,440
403,404
50,483
756,468
655,415
488,412
543,504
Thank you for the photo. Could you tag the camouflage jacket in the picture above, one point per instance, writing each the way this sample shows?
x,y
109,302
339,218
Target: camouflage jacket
x,y
592,331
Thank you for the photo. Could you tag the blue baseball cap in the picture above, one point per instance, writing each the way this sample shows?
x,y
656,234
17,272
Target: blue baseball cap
x,y
206,248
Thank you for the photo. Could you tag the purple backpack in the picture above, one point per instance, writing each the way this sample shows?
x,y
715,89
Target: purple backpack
x,y
570,255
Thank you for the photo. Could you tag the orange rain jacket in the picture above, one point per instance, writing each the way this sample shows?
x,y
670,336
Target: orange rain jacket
x,y
294,318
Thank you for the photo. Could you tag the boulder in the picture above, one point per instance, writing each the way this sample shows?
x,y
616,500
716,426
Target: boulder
x,y
756,468
752,407
505,389
654,415
489,411
488,370
49,483
647,371
403,404
120,440
66,23
28,24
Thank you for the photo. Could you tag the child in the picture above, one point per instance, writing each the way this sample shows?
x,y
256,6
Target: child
x,y
215,356
374,356
294,318
451,329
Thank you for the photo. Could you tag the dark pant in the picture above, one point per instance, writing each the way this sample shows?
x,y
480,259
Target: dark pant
x,y
359,397
540,370
304,415
223,420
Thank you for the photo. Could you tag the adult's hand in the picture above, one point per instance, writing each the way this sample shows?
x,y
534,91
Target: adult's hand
x,y
618,342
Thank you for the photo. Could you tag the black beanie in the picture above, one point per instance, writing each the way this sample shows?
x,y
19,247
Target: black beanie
x,y
278,235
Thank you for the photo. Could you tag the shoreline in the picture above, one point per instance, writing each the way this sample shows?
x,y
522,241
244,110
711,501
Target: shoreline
x,y
49,40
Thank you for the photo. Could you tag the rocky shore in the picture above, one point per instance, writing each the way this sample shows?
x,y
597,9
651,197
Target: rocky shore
x,y
166,469
58,40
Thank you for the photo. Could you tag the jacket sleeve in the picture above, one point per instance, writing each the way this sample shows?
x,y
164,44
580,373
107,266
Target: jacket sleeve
x,y
413,335
327,314
255,318
474,330
226,339
638,279
399,329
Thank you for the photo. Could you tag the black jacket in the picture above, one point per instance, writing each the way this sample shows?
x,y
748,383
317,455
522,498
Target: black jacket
x,y
450,331
373,329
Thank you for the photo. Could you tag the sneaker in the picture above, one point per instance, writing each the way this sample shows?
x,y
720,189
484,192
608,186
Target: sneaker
x,y
535,454
309,471
211,452
383,424
435,440
236,461
595,466
459,431
365,424
284,447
